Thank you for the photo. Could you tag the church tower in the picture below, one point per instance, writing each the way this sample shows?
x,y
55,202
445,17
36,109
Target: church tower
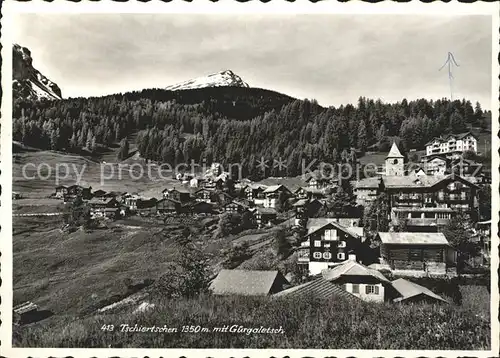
x,y
394,163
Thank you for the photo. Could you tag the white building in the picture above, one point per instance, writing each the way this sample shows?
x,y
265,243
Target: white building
x,y
452,144
359,280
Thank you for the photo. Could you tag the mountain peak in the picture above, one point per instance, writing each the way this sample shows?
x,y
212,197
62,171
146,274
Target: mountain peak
x,y
225,78
27,81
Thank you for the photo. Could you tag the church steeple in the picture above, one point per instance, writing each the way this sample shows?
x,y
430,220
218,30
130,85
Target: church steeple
x,y
394,163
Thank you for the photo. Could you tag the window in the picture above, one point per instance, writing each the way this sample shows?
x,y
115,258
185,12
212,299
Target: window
x,y
326,245
342,244
317,255
341,256
317,243
395,161
371,290
355,288
331,234
327,255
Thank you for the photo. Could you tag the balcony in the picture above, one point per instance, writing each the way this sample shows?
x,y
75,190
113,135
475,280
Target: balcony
x,y
427,222
303,259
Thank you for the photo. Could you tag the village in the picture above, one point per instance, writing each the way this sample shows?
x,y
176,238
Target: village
x,y
340,248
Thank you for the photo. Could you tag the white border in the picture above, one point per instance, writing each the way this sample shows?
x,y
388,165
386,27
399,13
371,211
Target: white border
x,y
203,6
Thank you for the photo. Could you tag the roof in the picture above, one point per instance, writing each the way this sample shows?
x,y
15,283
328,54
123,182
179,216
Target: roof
x,y
101,201
413,238
318,288
368,183
273,188
486,222
352,268
25,307
394,152
408,289
301,202
412,181
449,136
315,224
311,190
267,211
238,203
244,282
424,209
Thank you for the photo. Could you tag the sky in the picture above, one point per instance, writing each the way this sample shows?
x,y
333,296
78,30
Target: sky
x,y
334,59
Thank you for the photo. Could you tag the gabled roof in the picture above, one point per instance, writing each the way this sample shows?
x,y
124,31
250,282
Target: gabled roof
x,y
101,201
239,203
273,188
318,288
245,282
413,238
368,183
267,211
408,289
300,202
352,268
394,152
315,224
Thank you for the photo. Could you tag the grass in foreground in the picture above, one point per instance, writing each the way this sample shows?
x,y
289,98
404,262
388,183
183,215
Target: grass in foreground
x,y
335,324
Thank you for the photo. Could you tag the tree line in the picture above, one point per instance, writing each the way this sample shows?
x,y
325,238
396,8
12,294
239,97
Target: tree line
x,y
174,130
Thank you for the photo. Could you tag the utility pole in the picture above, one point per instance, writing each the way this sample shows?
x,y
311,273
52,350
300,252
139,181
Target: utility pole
x,y
450,61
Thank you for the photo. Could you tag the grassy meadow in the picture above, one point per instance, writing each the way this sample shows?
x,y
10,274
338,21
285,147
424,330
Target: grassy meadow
x,y
332,324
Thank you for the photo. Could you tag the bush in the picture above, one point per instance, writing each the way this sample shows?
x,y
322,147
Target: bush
x,y
236,255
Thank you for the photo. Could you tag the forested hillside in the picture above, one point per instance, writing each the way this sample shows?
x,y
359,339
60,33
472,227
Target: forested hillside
x,y
238,125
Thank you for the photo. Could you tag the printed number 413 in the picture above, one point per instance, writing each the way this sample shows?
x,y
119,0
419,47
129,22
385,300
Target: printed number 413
x,y
108,327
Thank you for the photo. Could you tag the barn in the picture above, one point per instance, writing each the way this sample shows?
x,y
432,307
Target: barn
x,y
417,253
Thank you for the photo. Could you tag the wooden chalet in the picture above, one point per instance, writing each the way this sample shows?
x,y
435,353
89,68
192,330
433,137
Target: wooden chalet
x,y
305,209
181,195
98,193
265,216
77,190
327,243
417,253
107,207
273,193
208,196
235,207
168,206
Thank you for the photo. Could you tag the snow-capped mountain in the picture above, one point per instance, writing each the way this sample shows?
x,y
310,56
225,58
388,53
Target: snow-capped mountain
x,y
220,79
27,81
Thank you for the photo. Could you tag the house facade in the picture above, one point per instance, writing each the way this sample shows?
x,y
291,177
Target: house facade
x,y
168,206
235,207
273,193
436,165
107,207
327,245
265,216
366,190
429,196
452,145
363,282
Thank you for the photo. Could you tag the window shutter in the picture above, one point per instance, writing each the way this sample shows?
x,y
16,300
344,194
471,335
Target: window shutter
x,y
376,290
367,289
